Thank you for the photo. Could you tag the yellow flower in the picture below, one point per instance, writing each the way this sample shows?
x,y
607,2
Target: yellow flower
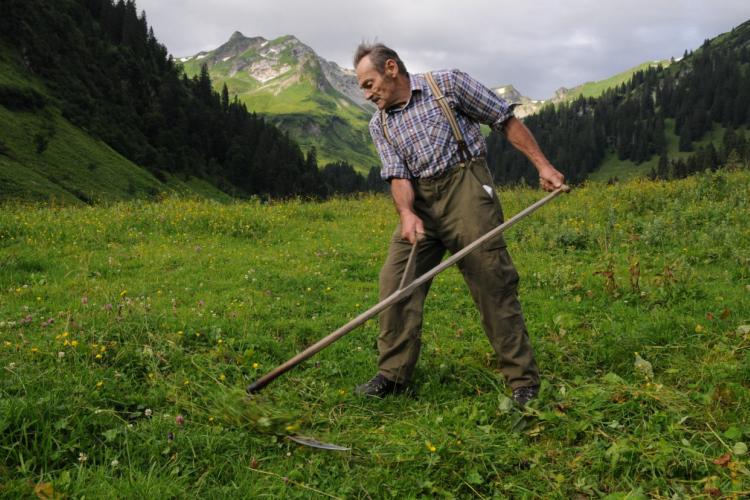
x,y
65,334
34,350
186,382
698,328
222,377
98,356
431,447
123,293
99,384
255,365
74,343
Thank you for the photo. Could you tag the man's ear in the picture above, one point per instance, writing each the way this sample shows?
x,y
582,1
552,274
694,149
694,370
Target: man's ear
x,y
391,68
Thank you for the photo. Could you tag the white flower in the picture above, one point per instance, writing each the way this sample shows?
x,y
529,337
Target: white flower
x,y
147,412
115,463
60,355
82,457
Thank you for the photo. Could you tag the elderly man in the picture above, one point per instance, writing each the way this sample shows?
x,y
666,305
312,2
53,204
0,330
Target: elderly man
x,y
433,157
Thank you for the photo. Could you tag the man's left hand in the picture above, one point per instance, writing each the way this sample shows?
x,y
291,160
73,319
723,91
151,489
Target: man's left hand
x,y
550,178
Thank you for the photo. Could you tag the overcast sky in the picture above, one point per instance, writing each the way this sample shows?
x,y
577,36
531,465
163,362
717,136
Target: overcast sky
x,y
538,46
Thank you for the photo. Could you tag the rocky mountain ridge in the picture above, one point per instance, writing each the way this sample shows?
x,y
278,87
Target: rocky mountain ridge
x,y
266,60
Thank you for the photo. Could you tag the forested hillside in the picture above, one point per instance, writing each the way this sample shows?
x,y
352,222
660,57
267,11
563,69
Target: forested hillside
x,y
107,73
707,89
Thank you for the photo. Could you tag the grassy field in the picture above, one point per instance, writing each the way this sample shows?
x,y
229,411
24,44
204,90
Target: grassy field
x,y
128,333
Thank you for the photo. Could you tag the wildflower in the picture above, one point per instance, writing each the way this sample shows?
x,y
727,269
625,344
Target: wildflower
x,y
98,356
222,377
148,412
84,300
114,463
34,350
60,355
185,382
431,447
123,293
698,328
170,436
82,457
99,384
179,420
74,343
256,365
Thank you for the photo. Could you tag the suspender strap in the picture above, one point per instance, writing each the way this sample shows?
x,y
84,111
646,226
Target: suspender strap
x,y
463,150
384,127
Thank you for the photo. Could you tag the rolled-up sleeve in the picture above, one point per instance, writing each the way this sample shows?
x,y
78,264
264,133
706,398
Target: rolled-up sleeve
x,y
392,164
480,102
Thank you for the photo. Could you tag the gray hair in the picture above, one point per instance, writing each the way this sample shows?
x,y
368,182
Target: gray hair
x,y
379,54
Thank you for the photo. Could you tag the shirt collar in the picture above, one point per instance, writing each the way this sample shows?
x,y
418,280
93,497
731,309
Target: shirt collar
x,y
417,83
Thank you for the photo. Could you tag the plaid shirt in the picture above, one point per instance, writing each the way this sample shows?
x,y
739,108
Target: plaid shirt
x,y
423,143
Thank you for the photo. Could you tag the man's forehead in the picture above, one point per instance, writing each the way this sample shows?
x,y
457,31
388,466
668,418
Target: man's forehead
x,y
364,65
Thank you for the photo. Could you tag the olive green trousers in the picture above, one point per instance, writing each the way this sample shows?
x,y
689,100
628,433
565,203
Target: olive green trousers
x,y
456,208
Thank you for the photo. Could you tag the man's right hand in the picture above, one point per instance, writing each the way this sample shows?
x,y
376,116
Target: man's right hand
x,y
412,227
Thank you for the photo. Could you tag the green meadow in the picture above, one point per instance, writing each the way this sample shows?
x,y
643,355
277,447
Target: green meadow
x,y
129,331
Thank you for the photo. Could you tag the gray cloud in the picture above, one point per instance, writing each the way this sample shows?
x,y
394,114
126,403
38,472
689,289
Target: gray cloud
x,y
537,46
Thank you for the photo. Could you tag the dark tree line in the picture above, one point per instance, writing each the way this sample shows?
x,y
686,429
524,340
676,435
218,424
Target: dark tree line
x,y
710,86
733,153
110,76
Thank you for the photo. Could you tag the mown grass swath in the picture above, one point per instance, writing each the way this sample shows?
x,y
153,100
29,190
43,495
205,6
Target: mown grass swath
x,y
114,320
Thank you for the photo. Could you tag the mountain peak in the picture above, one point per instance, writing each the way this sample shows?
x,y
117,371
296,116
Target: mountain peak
x,y
237,36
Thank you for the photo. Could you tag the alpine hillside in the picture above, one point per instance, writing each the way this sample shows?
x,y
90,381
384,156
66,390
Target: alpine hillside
x,y
93,108
665,120
315,100
528,106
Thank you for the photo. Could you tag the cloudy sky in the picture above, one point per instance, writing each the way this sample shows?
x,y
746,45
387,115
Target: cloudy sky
x,y
538,46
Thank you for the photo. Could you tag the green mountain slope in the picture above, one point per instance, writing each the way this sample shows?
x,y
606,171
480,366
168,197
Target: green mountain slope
x,y
43,157
316,101
685,116
597,88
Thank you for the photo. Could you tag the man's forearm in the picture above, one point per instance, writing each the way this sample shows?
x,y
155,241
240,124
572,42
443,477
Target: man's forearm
x,y
403,195
523,140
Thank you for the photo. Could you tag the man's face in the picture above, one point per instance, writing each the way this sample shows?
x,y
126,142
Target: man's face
x,y
380,89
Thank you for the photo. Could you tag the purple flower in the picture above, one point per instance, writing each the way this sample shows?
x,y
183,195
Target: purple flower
x,y
170,436
179,420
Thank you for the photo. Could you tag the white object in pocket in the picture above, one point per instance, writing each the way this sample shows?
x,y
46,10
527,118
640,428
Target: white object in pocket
x,y
489,190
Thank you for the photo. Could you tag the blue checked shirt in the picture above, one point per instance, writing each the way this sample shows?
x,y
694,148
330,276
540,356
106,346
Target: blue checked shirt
x,y
421,140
